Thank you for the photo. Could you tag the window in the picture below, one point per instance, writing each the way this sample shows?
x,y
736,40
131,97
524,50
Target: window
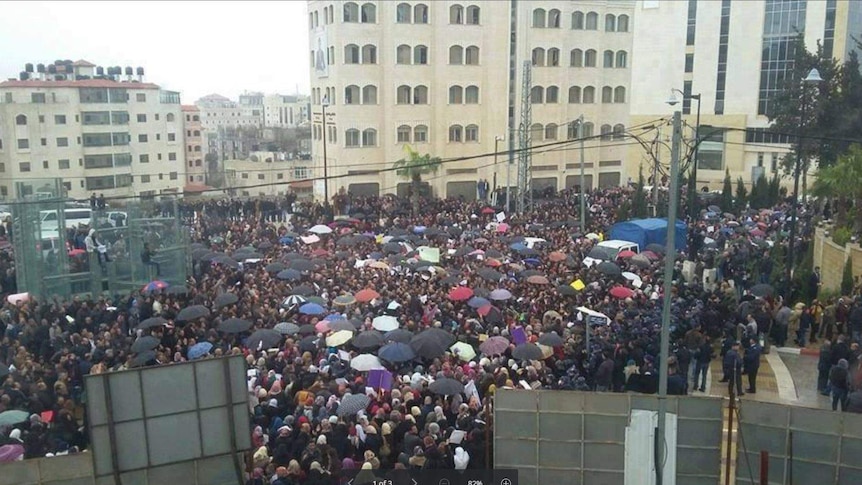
x,y
471,133
588,95
606,132
351,12
623,23
172,157
691,27
143,158
142,138
404,132
403,13
537,131
608,59
420,134
97,118
575,95
197,133
351,138
260,176
592,21
369,94
145,179
578,20
456,55
590,58
576,58
610,23
62,142
142,118
369,137
420,14
456,95
172,137
44,142
21,120
45,164
59,119
710,153
773,163
539,18
141,97
538,57
63,164
351,54
619,94
402,54
170,117
554,19
369,13
456,133
619,132
472,15
551,131
23,144
607,94
351,95
552,94
41,118
689,63
369,54
553,57
588,129
456,14
622,59
24,166
471,95
420,95
402,95
537,95
37,98
472,56
420,55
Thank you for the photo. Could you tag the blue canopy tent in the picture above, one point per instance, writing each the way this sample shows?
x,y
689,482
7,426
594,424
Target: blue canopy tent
x,y
649,231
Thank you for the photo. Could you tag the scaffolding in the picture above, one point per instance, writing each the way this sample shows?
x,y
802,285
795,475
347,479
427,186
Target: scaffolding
x,y
48,239
525,159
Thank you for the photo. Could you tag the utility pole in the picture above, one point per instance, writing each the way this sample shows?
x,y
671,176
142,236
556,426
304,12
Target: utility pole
x,y
655,163
669,259
325,168
583,198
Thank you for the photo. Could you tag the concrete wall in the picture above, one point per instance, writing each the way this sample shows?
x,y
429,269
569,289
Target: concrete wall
x,y
832,257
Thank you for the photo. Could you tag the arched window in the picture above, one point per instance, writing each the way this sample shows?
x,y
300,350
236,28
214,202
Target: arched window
x,y
588,95
402,95
196,118
575,95
369,94
351,54
369,137
456,133
21,120
590,58
606,132
537,132
620,94
537,95
607,94
572,130
538,57
619,132
403,14
170,117
197,133
552,94
554,19
351,94
588,129
420,13
420,134
551,131
471,95
316,19
608,59
578,20
420,55
456,55
623,23
456,14
369,54
592,21
622,59
610,23
472,56
553,57
420,95
351,137
576,58
471,133
369,13
402,54
351,12
403,134
473,15
539,18
456,95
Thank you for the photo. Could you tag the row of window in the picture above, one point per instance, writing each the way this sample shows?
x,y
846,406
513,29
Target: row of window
x,y
96,118
577,95
404,14
579,58
590,21
88,162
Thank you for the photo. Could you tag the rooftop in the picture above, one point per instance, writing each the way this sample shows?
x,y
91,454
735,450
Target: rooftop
x,y
83,83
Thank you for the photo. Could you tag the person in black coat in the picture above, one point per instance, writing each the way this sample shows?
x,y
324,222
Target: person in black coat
x,y
751,364
732,366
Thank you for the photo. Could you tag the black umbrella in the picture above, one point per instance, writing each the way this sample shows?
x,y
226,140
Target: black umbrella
x,y
242,256
762,290
368,340
197,254
192,313
212,256
551,339
431,343
398,335
450,280
289,275
287,328
263,339
302,290
234,325
490,275
527,351
302,265
152,322
263,246
656,248
307,329
352,404
396,352
309,343
392,248
528,252
347,241
566,290
143,358
177,290
275,267
293,255
145,343
493,253
226,299
609,269
225,260
446,387
463,251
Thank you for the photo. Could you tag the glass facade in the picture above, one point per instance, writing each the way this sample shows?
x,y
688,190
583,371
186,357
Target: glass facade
x,y
783,22
829,28
721,75
691,27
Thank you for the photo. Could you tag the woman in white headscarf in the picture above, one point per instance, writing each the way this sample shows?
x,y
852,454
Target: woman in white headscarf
x,y
462,459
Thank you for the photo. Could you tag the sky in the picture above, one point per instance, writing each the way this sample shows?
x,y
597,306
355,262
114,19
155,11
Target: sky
x,y
197,48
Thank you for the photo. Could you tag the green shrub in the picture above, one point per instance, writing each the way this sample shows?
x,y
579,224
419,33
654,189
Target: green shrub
x,y
847,278
842,236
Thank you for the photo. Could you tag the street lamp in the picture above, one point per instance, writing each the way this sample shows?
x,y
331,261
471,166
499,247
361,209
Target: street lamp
x,y
813,77
692,183
497,140
582,197
323,106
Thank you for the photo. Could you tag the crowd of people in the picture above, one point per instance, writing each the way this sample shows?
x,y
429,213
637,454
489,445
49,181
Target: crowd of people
x,y
378,340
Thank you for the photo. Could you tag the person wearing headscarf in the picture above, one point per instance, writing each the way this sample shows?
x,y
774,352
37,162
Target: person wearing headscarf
x,y
462,459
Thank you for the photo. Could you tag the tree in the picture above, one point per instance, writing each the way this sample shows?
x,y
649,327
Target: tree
x,y
847,278
741,196
841,183
774,193
639,201
759,198
413,167
727,193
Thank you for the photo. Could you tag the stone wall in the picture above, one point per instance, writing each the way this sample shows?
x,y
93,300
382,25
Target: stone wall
x,y
832,257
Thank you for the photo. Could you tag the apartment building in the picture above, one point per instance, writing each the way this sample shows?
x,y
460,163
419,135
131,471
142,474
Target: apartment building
x,y
192,128
267,174
99,130
280,111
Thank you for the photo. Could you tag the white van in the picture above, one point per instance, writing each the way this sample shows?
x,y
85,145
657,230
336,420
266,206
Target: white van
x,y
50,224
608,251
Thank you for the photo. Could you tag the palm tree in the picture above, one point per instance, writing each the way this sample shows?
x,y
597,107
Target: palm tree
x,y
840,182
414,166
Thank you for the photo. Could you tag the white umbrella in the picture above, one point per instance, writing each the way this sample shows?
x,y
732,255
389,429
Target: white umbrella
x,y
365,362
340,337
636,280
464,351
385,323
320,229
310,239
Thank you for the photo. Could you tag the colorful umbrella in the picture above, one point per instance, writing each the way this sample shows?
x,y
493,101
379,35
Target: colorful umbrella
x,y
463,350
155,286
312,309
321,326
340,337
460,293
366,295
494,346
500,294
621,292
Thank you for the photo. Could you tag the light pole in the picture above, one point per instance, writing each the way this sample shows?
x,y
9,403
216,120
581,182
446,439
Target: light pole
x,y
497,140
692,183
323,106
582,195
813,77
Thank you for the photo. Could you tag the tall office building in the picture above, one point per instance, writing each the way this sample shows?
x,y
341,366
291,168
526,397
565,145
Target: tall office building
x,y
103,131
196,168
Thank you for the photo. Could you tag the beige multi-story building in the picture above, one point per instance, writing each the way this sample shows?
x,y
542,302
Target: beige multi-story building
x,y
280,111
267,174
219,111
104,133
446,78
192,128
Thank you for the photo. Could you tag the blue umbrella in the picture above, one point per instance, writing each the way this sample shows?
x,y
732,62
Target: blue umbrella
x,y
376,255
532,261
396,352
419,229
478,302
199,350
312,309
335,316
518,246
285,240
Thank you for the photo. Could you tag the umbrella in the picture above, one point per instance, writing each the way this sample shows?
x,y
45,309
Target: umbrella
x,y
651,255
527,352
640,260
551,339
494,346
145,343
608,268
446,387
155,286
431,343
177,290
477,302
398,335
199,350
556,257
302,290
460,293
621,292
347,241
352,404
385,323
500,294
10,453
302,265
143,357
312,309
307,329
338,325
392,248
340,337
316,299
396,352
464,351
152,322
365,362
264,245
567,290
293,300
287,328
344,300
234,325
320,229
226,299
490,275
538,280
636,280
368,340
192,313
762,290
289,275
263,339
321,326
626,254
366,295
378,265
656,248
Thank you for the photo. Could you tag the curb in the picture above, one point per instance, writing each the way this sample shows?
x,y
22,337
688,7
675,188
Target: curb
x,y
798,351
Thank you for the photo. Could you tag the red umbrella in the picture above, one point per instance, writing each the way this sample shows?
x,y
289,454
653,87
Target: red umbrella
x,y
319,253
460,293
487,211
494,263
484,310
322,326
537,280
621,292
557,256
76,252
626,254
651,255
366,295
